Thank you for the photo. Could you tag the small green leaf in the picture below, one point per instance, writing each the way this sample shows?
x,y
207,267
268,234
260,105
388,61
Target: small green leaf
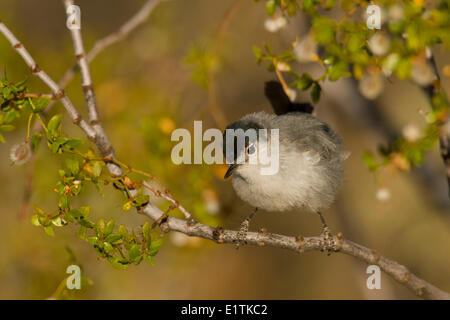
x,y
81,233
54,123
49,231
134,252
315,92
73,166
35,220
2,138
117,263
113,238
97,168
370,161
7,127
92,240
41,104
271,6
155,246
109,227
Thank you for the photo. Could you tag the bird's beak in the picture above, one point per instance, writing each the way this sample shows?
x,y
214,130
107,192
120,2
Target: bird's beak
x,y
230,170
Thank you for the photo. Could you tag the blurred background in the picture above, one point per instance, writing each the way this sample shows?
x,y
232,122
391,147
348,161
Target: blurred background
x,y
193,60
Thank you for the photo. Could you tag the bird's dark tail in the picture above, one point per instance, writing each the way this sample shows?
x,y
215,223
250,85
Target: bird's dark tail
x,y
280,102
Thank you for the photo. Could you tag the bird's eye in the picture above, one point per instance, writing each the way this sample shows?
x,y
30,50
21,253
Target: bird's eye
x,y
251,149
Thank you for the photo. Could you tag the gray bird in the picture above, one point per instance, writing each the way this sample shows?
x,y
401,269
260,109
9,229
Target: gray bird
x,y
311,159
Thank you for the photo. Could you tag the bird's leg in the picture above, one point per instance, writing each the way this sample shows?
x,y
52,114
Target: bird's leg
x,y
328,243
244,228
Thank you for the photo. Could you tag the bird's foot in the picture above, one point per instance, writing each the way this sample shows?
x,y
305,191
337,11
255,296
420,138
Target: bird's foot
x,y
242,233
244,229
328,243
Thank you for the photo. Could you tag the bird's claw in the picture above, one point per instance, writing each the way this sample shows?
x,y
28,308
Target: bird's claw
x,y
242,233
328,242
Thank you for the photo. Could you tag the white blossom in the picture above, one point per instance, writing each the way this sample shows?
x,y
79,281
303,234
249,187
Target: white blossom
x,y
306,49
379,43
371,85
275,24
20,153
383,194
411,132
422,72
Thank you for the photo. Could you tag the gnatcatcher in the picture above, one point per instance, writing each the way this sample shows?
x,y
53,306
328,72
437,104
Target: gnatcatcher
x,y
310,154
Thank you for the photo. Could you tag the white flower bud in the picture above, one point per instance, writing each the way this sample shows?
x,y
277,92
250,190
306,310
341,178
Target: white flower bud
x,y
383,194
411,133
283,67
306,49
371,85
20,153
422,72
379,44
275,24
396,12
179,239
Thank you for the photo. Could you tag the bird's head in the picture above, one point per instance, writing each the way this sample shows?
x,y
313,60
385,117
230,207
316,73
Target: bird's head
x,y
242,141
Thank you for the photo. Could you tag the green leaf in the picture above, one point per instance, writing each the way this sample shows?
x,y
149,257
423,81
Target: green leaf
x,y
7,127
85,211
81,233
35,220
108,247
324,30
134,252
117,263
92,240
41,104
36,140
73,166
370,161
49,231
123,230
150,260
304,82
54,123
64,202
146,231
100,227
2,138
338,70
73,143
140,200
97,168
271,6
56,145
155,246
109,227
315,92
86,223
57,221
75,213
113,238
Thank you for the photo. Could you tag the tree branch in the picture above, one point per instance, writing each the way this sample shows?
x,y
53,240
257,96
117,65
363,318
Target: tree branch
x,y
299,244
102,142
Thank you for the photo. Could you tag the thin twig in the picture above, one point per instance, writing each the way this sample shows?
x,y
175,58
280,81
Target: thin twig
x,y
102,142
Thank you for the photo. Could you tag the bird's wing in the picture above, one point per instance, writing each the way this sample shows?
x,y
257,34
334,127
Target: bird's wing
x,y
280,102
